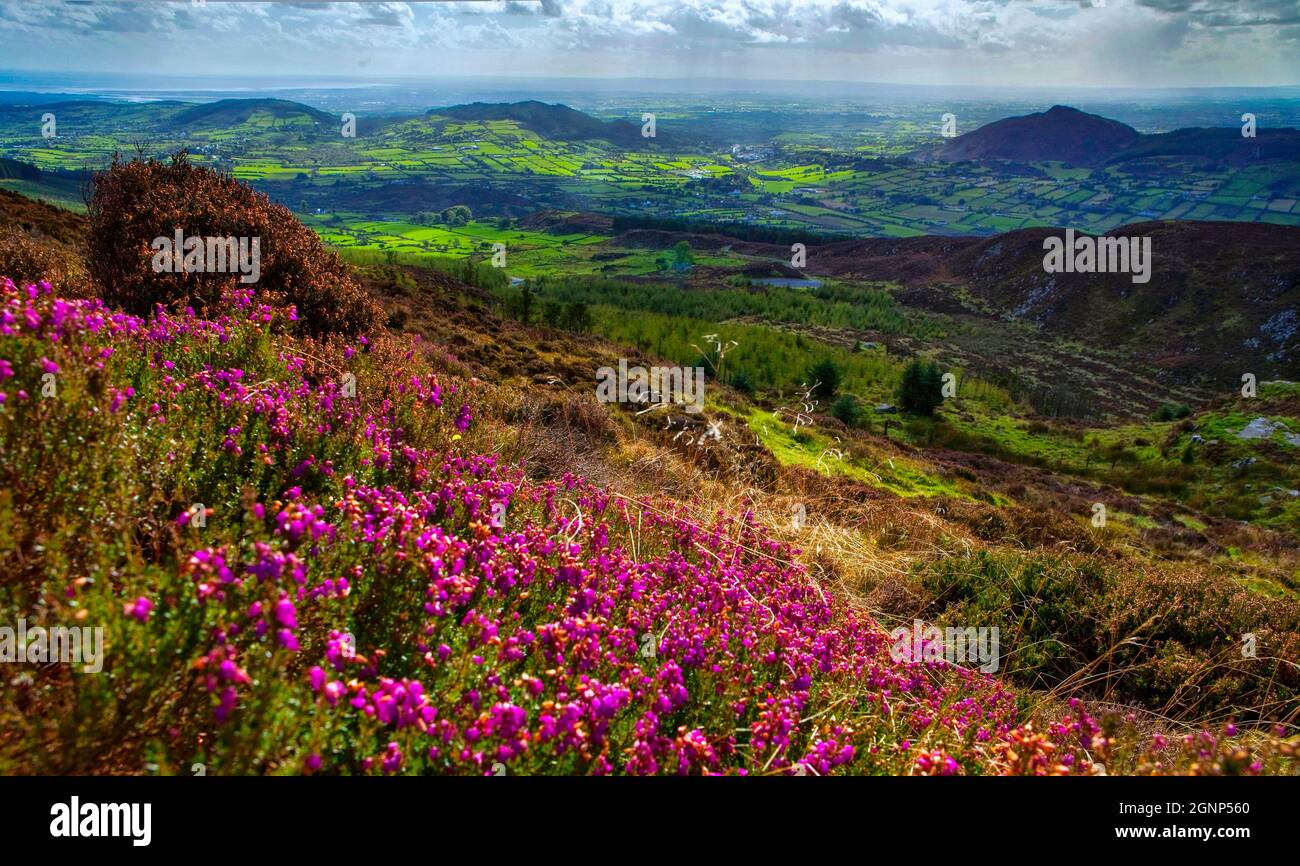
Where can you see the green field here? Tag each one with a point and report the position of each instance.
(811, 175)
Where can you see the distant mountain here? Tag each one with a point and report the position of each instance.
(550, 121)
(1067, 135)
(78, 114)
(1220, 144)
(1059, 134)
(1223, 298)
(232, 112)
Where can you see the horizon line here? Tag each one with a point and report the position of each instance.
(377, 80)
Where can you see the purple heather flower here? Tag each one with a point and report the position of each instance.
(285, 614)
(139, 609)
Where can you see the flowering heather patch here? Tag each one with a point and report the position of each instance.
(1078, 744)
(295, 575)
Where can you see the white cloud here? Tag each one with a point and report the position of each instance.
(1144, 42)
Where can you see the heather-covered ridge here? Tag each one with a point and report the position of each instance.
(326, 556)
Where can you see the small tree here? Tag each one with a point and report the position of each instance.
(577, 317)
(457, 215)
(525, 303)
(846, 409)
(682, 257)
(551, 313)
(824, 378)
(1117, 452)
(921, 390)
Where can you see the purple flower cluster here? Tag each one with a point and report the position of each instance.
(498, 620)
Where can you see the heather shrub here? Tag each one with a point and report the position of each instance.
(741, 382)
(1171, 412)
(1040, 605)
(26, 260)
(1155, 636)
(1076, 743)
(135, 202)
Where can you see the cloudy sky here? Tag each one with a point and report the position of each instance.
(992, 42)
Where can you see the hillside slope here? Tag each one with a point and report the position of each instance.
(454, 558)
(41, 220)
(1223, 299)
(235, 112)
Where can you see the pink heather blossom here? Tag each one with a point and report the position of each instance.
(522, 647)
(139, 609)
(285, 613)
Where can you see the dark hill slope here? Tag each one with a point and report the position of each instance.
(1216, 145)
(40, 220)
(1223, 299)
(1067, 135)
(1060, 134)
(80, 113)
(12, 169)
(41, 242)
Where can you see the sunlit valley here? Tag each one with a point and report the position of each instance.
(363, 506)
